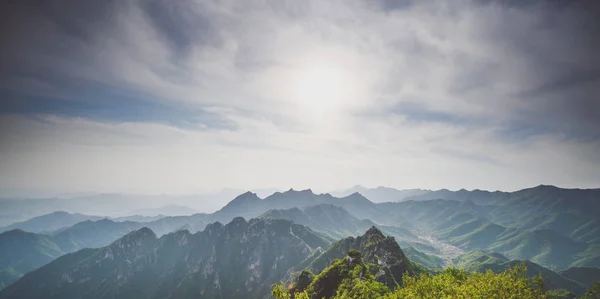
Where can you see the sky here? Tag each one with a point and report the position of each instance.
(178, 97)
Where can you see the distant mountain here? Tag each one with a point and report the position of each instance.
(111, 205)
(60, 220)
(554, 227)
(568, 224)
(249, 205)
(544, 246)
(168, 210)
(329, 219)
(238, 260)
(382, 194)
(86, 234)
(49, 222)
(508, 208)
(474, 260)
(427, 260)
(333, 221)
(586, 276)
(548, 225)
(21, 252)
(93, 234)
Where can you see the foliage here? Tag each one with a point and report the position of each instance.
(451, 283)
(593, 292)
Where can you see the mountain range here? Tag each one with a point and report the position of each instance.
(238, 260)
(554, 230)
(381, 194)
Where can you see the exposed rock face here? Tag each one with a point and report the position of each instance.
(377, 249)
(238, 260)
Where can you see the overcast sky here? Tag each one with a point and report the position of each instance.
(190, 96)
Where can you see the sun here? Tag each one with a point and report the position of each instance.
(320, 90)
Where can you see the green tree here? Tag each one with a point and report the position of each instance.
(593, 292)
(355, 281)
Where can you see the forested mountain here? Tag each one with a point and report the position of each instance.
(381, 193)
(433, 231)
(49, 222)
(238, 260)
(86, 234)
(334, 221)
(21, 252)
(249, 205)
(480, 261)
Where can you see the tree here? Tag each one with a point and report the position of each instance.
(357, 282)
(593, 292)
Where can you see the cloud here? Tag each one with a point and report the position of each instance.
(432, 89)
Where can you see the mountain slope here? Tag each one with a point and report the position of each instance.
(480, 261)
(334, 221)
(543, 246)
(49, 222)
(427, 260)
(93, 234)
(238, 260)
(586, 276)
(21, 252)
(329, 219)
(249, 205)
(381, 194)
(519, 207)
(377, 249)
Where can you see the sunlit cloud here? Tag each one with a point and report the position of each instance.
(185, 96)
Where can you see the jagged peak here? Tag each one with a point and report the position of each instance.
(356, 196)
(248, 195)
(237, 220)
(16, 231)
(143, 232)
(136, 237)
(542, 186)
(291, 190)
(213, 227)
(373, 231)
(58, 213)
(242, 198)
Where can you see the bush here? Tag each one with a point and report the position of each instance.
(358, 283)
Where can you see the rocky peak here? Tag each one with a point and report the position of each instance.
(138, 237)
(244, 198)
(132, 242)
(356, 198)
(373, 234)
(214, 228)
(237, 226)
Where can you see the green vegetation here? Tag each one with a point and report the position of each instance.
(427, 260)
(593, 292)
(21, 252)
(348, 277)
(352, 278)
(238, 260)
(574, 280)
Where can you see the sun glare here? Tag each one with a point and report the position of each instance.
(320, 90)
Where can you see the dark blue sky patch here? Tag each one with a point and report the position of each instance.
(101, 103)
(417, 112)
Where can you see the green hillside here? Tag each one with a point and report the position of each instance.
(352, 277)
(21, 252)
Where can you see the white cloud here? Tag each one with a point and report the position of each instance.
(464, 64)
